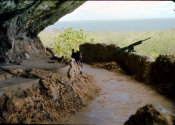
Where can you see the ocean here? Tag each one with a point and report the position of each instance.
(116, 25)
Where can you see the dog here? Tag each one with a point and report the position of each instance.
(78, 57)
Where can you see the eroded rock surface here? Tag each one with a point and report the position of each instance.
(4, 75)
(74, 70)
(22, 20)
(52, 97)
(151, 115)
(162, 75)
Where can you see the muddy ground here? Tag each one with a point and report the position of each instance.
(120, 97)
(41, 91)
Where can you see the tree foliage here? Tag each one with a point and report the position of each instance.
(70, 39)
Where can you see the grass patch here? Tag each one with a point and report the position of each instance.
(161, 42)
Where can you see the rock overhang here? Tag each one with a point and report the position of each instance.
(22, 20)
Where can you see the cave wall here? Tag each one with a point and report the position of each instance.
(22, 20)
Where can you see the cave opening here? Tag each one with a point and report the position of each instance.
(38, 85)
(118, 22)
(102, 21)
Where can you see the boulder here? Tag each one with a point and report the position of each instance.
(163, 69)
(74, 70)
(4, 75)
(151, 114)
(162, 75)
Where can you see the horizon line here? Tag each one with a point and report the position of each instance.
(119, 19)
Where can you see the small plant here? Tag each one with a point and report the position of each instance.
(70, 39)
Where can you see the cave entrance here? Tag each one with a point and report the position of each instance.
(131, 22)
(39, 90)
(120, 23)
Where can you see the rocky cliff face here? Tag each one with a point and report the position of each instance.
(22, 20)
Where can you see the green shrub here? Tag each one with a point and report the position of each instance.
(70, 39)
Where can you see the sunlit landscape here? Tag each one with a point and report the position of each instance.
(161, 42)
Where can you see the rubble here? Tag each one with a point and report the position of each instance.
(52, 98)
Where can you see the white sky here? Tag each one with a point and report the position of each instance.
(104, 10)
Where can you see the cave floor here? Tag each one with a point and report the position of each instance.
(120, 97)
(37, 63)
(20, 83)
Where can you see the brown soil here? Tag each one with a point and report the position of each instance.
(45, 94)
(37, 92)
(111, 66)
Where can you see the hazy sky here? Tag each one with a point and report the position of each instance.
(100, 10)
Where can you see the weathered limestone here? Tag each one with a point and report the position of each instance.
(151, 115)
(22, 20)
(36, 95)
(74, 70)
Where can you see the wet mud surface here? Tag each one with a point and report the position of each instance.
(120, 97)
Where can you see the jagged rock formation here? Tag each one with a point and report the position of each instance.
(151, 115)
(74, 70)
(42, 96)
(22, 20)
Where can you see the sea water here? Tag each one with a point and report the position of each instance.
(116, 25)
